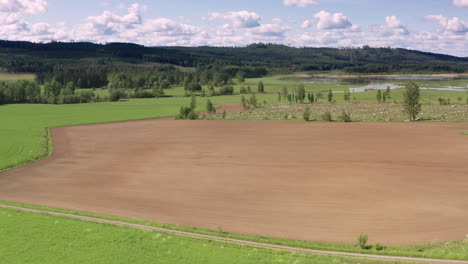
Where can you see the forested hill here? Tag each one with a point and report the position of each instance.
(21, 56)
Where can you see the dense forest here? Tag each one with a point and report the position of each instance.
(256, 59)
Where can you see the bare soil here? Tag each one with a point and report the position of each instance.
(401, 183)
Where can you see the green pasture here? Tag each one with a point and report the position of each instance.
(440, 250)
(52, 239)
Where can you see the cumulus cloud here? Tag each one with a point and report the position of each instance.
(453, 25)
(271, 30)
(240, 19)
(11, 11)
(109, 23)
(23, 6)
(300, 3)
(460, 3)
(332, 21)
(393, 27)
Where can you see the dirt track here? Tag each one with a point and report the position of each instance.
(400, 183)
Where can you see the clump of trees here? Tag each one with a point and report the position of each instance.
(411, 96)
(29, 92)
(188, 112)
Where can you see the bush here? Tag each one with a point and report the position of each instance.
(209, 107)
(300, 93)
(116, 95)
(362, 241)
(253, 101)
(188, 112)
(261, 87)
(244, 103)
(306, 114)
(226, 90)
(379, 247)
(330, 96)
(346, 117)
(327, 117)
(86, 96)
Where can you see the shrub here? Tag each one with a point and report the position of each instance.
(243, 90)
(188, 112)
(86, 96)
(244, 103)
(116, 95)
(362, 241)
(253, 101)
(347, 96)
(379, 96)
(224, 114)
(226, 90)
(327, 117)
(330, 96)
(379, 247)
(261, 87)
(306, 114)
(346, 117)
(209, 107)
(301, 94)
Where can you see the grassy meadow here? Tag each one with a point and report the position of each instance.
(439, 250)
(52, 239)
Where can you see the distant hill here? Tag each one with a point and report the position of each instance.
(22, 56)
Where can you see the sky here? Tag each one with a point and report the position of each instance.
(439, 26)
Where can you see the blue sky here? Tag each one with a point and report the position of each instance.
(430, 25)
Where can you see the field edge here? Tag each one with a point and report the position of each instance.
(345, 248)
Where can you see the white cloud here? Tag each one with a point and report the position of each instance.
(393, 22)
(11, 11)
(300, 3)
(23, 6)
(460, 3)
(453, 25)
(332, 21)
(269, 30)
(240, 19)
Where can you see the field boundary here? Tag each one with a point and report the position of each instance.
(248, 240)
(46, 147)
(233, 240)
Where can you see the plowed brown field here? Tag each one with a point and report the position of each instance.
(400, 183)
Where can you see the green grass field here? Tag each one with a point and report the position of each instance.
(441, 250)
(51, 239)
